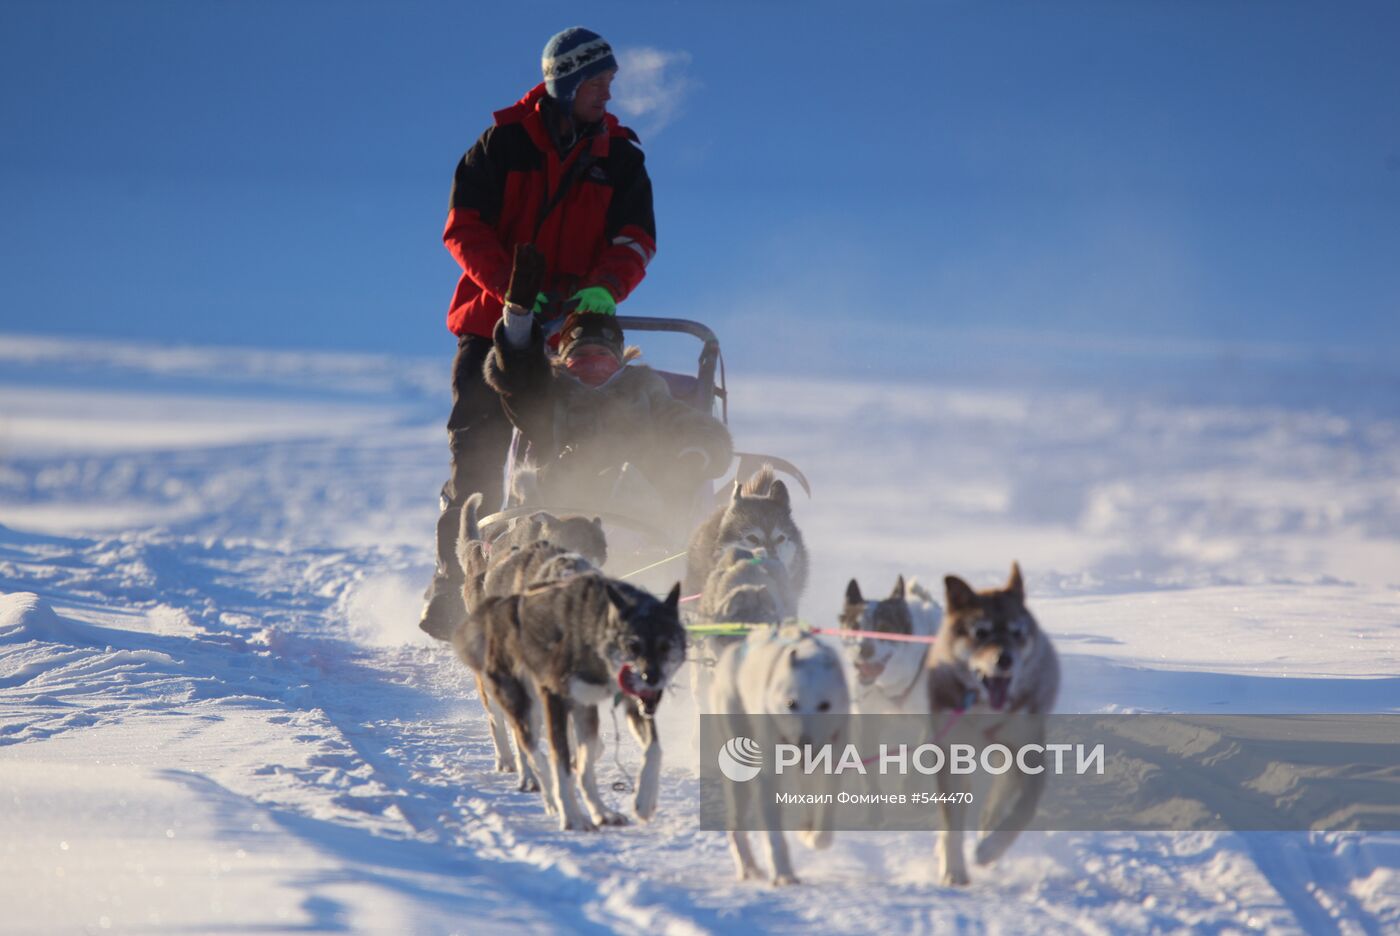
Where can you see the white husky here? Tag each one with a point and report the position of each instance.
(789, 674)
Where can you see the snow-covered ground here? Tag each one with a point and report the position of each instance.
(217, 713)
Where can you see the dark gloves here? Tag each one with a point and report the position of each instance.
(526, 276)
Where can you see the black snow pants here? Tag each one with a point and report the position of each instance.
(479, 438)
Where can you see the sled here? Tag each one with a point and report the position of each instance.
(706, 390)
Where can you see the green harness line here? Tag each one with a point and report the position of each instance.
(648, 568)
(722, 628)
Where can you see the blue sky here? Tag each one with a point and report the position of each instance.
(851, 182)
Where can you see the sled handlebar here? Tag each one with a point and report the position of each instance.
(709, 353)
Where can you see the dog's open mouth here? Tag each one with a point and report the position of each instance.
(997, 688)
(632, 684)
(869, 672)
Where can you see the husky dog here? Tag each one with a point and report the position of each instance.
(516, 569)
(743, 588)
(562, 566)
(892, 676)
(749, 587)
(512, 572)
(991, 658)
(758, 515)
(563, 648)
(575, 533)
(788, 674)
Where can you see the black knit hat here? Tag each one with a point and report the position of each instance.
(590, 328)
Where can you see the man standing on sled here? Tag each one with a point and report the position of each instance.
(558, 171)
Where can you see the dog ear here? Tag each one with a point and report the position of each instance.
(738, 490)
(960, 594)
(853, 595)
(673, 600)
(778, 493)
(618, 599)
(898, 587)
(598, 522)
(1014, 585)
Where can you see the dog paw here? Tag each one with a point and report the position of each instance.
(577, 824)
(956, 877)
(610, 818)
(528, 785)
(785, 880)
(991, 847)
(645, 806)
(504, 766)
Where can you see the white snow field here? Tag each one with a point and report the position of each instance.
(217, 713)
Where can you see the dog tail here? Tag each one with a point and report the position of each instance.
(915, 589)
(924, 609)
(468, 533)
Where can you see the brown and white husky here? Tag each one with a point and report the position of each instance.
(991, 660)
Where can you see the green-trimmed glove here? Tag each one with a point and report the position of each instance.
(594, 299)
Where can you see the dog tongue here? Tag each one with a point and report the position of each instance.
(997, 687)
(633, 685)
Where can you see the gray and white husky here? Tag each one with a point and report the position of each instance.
(747, 586)
(757, 516)
(787, 674)
(579, 534)
(744, 587)
(991, 659)
(892, 676)
(559, 650)
(489, 570)
(513, 571)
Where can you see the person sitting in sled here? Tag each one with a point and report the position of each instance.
(605, 432)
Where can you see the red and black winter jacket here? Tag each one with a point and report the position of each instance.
(601, 233)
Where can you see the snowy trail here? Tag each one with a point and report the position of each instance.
(239, 666)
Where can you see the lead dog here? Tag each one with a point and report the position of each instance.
(787, 674)
(991, 659)
(892, 675)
